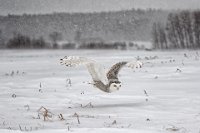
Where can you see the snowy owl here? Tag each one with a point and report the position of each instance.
(107, 82)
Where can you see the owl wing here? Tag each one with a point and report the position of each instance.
(96, 71)
(114, 70)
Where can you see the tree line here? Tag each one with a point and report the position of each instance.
(134, 24)
(182, 30)
(20, 41)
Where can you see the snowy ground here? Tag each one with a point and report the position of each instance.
(30, 80)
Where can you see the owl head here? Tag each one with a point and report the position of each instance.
(114, 86)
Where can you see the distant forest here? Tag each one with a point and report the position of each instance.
(181, 30)
(104, 30)
(127, 25)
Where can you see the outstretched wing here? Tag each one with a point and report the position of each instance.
(73, 61)
(96, 70)
(114, 70)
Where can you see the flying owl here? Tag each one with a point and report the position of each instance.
(107, 82)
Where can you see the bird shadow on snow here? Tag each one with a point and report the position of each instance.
(138, 104)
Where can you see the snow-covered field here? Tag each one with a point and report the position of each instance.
(32, 81)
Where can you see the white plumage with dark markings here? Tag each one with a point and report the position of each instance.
(107, 82)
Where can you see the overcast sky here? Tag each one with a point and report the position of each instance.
(49, 6)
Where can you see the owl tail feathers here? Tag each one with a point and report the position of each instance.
(134, 64)
(73, 61)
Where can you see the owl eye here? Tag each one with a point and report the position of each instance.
(120, 85)
(115, 86)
